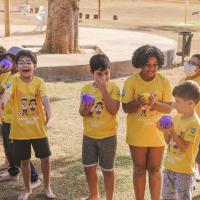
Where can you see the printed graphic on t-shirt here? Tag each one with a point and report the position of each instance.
(28, 107)
(99, 108)
(24, 105)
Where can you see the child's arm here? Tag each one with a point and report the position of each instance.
(1, 90)
(4, 99)
(165, 131)
(111, 105)
(160, 106)
(134, 106)
(85, 108)
(47, 107)
(182, 145)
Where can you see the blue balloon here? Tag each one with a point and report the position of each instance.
(6, 63)
(166, 121)
(88, 98)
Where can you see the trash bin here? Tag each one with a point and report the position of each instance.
(184, 44)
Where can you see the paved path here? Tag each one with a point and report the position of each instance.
(117, 44)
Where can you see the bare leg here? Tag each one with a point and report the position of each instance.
(46, 168)
(5, 165)
(197, 172)
(92, 180)
(109, 182)
(155, 156)
(198, 167)
(26, 173)
(139, 157)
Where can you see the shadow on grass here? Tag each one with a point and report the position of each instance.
(69, 183)
(53, 99)
(123, 161)
(196, 197)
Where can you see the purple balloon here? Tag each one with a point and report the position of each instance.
(5, 63)
(166, 121)
(88, 98)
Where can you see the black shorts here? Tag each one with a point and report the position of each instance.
(22, 148)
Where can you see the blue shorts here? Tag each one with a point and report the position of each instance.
(99, 151)
(177, 185)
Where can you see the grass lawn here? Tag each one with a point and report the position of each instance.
(65, 135)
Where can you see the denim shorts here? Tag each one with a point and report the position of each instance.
(177, 185)
(99, 151)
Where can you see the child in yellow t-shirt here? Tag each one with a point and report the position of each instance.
(100, 126)
(183, 140)
(192, 72)
(4, 74)
(14, 164)
(146, 96)
(28, 121)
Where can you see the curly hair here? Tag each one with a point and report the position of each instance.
(142, 54)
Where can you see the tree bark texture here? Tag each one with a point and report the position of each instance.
(62, 27)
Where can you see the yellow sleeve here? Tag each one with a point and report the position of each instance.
(191, 133)
(4, 79)
(167, 91)
(128, 91)
(115, 94)
(9, 85)
(42, 88)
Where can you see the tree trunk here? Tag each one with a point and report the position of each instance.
(62, 27)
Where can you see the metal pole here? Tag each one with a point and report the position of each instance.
(186, 7)
(6, 18)
(183, 49)
(99, 9)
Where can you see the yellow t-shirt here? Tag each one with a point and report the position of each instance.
(197, 79)
(188, 130)
(3, 79)
(7, 111)
(141, 126)
(28, 118)
(100, 123)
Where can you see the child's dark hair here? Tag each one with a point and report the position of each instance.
(196, 56)
(99, 61)
(26, 53)
(142, 54)
(188, 90)
(3, 53)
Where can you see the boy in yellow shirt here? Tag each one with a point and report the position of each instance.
(183, 140)
(4, 74)
(28, 127)
(100, 127)
(14, 165)
(192, 72)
